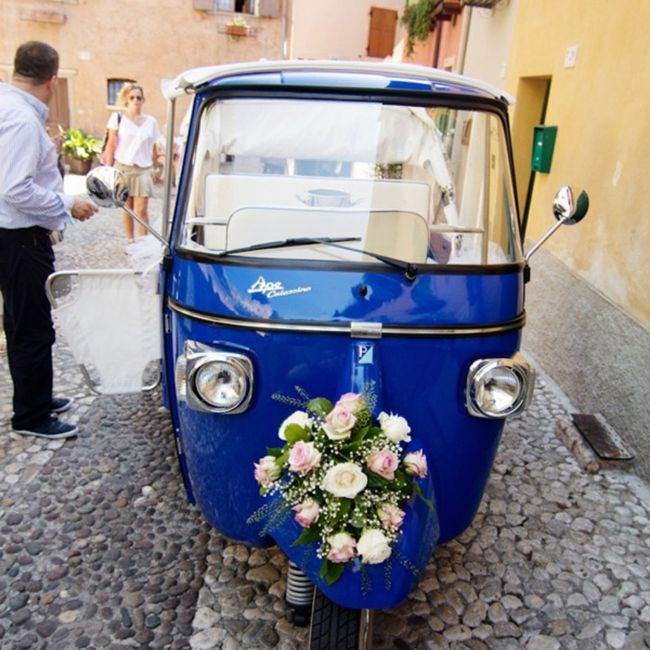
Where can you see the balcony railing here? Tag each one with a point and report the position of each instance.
(484, 4)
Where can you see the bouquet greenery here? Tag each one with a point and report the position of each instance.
(346, 478)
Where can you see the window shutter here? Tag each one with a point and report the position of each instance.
(381, 38)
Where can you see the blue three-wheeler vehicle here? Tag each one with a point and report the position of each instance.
(339, 309)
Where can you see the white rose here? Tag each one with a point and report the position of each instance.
(395, 427)
(373, 546)
(344, 480)
(300, 418)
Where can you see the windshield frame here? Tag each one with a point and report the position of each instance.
(397, 97)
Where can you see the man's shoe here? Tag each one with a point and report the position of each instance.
(60, 404)
(51, 428)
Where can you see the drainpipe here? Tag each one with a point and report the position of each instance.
(286, 12)
(436, 47)
(464, 39)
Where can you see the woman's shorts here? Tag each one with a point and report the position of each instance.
(138, 179)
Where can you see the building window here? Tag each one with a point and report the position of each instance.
(113, 87)
(238, 6)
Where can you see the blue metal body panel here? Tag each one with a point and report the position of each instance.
(422, 379)
(332, 295)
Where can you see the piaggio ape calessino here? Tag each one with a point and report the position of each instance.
(338, 312)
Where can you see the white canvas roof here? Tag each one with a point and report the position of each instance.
(190, 79)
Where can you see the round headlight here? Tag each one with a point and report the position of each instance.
(221, 384)
(497, 390)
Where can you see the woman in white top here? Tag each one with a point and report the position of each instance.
(132, 142)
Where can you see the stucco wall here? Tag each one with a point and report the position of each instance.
(334, 28)
(589, 298)
(489, 42)
(149, 40)
(601, 107)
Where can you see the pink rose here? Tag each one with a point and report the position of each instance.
(390, 516)
(342, 548)
(307, 512)
(303, 457)
(415, 464)
(266, 471)
(383, 462)
(352, 401)
(339, 422)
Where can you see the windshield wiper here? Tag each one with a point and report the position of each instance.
(286, 243)
(409, 270)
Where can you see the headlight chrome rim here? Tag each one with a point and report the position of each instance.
(484, 370)
(198, 359)
(203, 374)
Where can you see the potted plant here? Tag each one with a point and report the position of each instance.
(80, 149)
(237, 27)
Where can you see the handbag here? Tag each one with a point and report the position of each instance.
(119, 119)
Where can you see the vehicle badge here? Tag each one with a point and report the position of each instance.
(274, 289)
(365, 354)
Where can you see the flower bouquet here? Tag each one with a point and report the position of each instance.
(345, 477)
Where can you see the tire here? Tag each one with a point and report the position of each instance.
(338, 628)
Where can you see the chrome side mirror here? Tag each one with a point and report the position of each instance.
(108, 189)
(569, 207)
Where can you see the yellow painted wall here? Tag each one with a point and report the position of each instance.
(146, 40)
(602, 109)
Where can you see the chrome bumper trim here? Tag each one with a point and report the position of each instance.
(345, 328)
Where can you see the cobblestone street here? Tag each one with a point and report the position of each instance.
(100, 549)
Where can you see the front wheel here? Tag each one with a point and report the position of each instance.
(338, 628)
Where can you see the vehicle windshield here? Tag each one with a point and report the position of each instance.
(423, 185)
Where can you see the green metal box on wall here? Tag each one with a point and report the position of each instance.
(543, 145)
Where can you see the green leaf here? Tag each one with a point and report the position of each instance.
(276, 452)
(346, 504)
(308, 536)
(418, 490)
(374, 480)
(348, 449)
(358, 520)
(294, 432)
(360, 434)
(282, 459)
(402, 479)
(334, 571)
(320, 406)
(323, 569)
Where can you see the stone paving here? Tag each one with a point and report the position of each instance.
(99, 547)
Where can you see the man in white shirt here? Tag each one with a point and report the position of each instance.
(32, 205)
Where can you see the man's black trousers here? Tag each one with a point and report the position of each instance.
(26, 260)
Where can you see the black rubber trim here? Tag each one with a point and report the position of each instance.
(363, 267)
